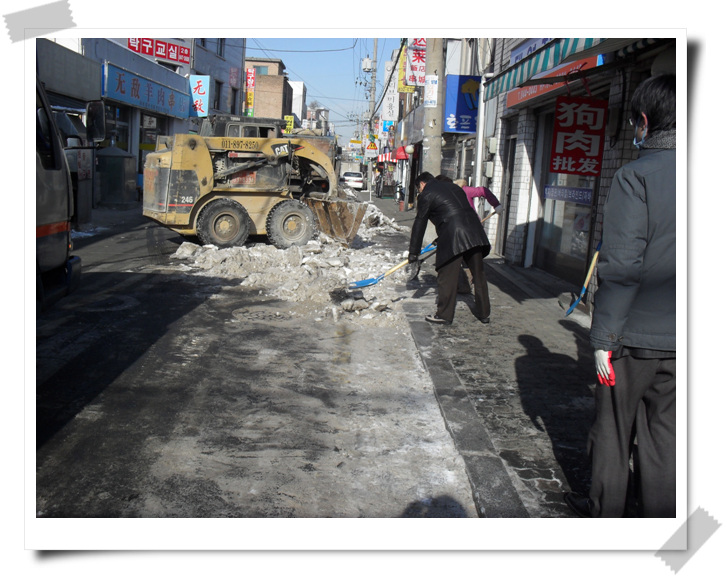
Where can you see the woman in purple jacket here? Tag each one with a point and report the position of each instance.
(473, 192)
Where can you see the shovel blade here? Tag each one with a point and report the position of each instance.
(364, 283)
(338, 218)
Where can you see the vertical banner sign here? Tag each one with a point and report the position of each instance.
(461, 103)
(431, 85)
(579, 133)
(249, 92)
(402, 86)
(390, 103)
(416, 62)
(199, 88)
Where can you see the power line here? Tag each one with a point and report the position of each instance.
(391, 75)
(291, 71)
(310, 51)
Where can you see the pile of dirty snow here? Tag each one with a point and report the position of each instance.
(314, 278)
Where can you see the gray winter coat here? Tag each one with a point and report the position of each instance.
(458, 226)
(635, 305)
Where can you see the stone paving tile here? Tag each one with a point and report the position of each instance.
(527, 378)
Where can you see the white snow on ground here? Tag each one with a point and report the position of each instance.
(315, 276)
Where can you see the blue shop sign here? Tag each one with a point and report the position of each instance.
(581, 195)
(132, 89)
(460, 104)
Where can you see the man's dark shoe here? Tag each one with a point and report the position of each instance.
(434, 319)
(579, 504)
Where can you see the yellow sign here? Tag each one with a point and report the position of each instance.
(289, 123)
(403, 88)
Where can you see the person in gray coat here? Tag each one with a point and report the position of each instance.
(633, 330)
(460, 237)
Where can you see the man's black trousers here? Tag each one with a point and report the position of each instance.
(640, 407)
(448, 276)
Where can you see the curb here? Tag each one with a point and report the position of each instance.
(493, 491)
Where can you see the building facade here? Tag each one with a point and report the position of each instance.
(554, 211)
(552, 198)
(146, 86)
(273, 94)
(222, 60)
(142, 98)
(299, 107)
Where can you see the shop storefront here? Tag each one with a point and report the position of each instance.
(138, 109)
(571, 159)
(563, 129)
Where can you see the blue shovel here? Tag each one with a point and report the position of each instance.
(372, 281)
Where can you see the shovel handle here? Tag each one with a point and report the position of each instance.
(587, 280)
(395, 268)
(405, 262)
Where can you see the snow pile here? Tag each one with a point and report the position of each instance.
(314, 278)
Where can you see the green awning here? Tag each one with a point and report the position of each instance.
(543, 59)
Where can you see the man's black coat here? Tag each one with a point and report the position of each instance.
(458, 225)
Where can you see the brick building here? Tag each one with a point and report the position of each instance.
(273, 93)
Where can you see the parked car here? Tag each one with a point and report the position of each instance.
(353, 179)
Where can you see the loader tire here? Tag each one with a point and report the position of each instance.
(223, 223)
(290, 223)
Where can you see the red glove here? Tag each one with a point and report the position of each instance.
(611, 381)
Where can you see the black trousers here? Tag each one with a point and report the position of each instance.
(448, 276)
(641, 408)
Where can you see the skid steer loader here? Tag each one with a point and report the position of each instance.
(224, 188)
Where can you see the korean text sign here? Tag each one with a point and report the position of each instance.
(579, 132)
(160, 49)
(249, 92)
(461, 104)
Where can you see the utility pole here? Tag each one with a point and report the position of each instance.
(372, 106)
(486, 63)
(432, 138)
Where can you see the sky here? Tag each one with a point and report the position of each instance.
(331, 69)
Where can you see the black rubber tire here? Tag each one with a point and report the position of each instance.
(223, 223)
(290, 223)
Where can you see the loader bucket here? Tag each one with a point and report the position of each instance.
(338, 218)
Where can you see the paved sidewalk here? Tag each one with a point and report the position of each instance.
(516, 394)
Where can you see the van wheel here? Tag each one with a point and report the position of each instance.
(290, 223)
(223, 223)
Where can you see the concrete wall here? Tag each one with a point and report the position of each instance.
(67, 72)
(226, 70)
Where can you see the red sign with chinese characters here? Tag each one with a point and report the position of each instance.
(416, 62)
(579, 133)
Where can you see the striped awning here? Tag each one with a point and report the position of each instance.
(543, 59)
(386, 157)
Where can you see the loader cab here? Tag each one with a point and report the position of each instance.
(235, 126)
